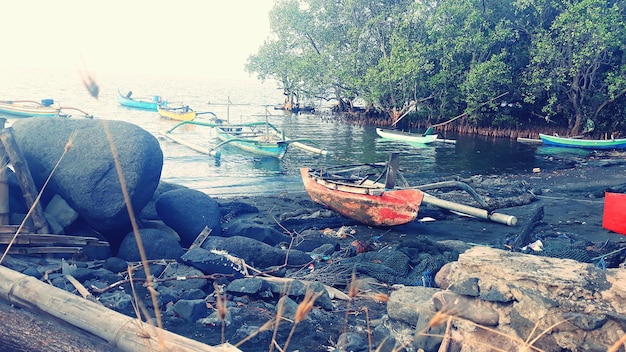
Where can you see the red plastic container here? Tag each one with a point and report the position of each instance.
(614, 218)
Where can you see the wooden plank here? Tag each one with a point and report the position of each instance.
(12, 229)
(42, 250)
(201, 237)
(4, 191)
(43, 239)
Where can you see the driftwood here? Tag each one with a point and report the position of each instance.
(121, 332)
(9, 148)
(25, 243)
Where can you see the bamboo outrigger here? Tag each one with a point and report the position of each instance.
(259, 138)
(368, 194)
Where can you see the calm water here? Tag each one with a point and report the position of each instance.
(243, 174)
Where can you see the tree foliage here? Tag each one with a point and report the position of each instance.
(561, 63)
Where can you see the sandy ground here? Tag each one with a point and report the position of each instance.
(571, 195)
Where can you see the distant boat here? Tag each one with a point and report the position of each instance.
(425, 138)
(30, 108)
(177, 112)
(583, 143)
(144, 103)
(260, 138)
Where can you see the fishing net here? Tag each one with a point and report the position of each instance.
(411, 262)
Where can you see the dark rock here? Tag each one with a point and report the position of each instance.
(287, 307)
(212, 262)
(191, 310)
(157, 245)
(353, 342)
(193, 278)
(87, 177)
(323, 252)
(298, 289)
(495, 294)
(168, 294)
(118, 300)
(188, 212)
(466, 287)
(193, 293)
(59, 214)
(587, 322)
(31, 271)
(149, 210)
(247, 286)
(115, 264)
(231, 210)
(255, 253)
(259, 232)
(82, 274)
(312, 238)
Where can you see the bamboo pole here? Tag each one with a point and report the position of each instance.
(4, 184)
(508, 220)
(120, 331)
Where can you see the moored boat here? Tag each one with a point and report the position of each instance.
(415, 138)
(407, 136)
(178, 112)
(260, 138)
(144, 103)
(613, 143)
(364, 199)
(30, 108)
(367, 193)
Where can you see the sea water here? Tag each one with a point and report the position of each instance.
(238, 173)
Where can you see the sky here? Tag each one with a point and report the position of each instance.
(212, 38)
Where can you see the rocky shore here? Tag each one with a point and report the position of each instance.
(242, 270)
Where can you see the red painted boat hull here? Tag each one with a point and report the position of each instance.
(389, 208)
(614, 218)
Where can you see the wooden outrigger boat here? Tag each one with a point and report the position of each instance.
(583, 143)
(179, 112)
(425, 138)
(359, 192)
(406, 136)
(143, 103)
(254, 137)
(366, 201)
(259, 138)
(30, 108)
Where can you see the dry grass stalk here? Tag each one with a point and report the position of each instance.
(304, 308)
(618, 344)
(222, 311)
(135, 227)
(369, 329)
(280, 310)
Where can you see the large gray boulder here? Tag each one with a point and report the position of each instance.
(188, 211)
(86, 177)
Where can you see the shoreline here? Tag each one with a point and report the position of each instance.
(572, 198)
